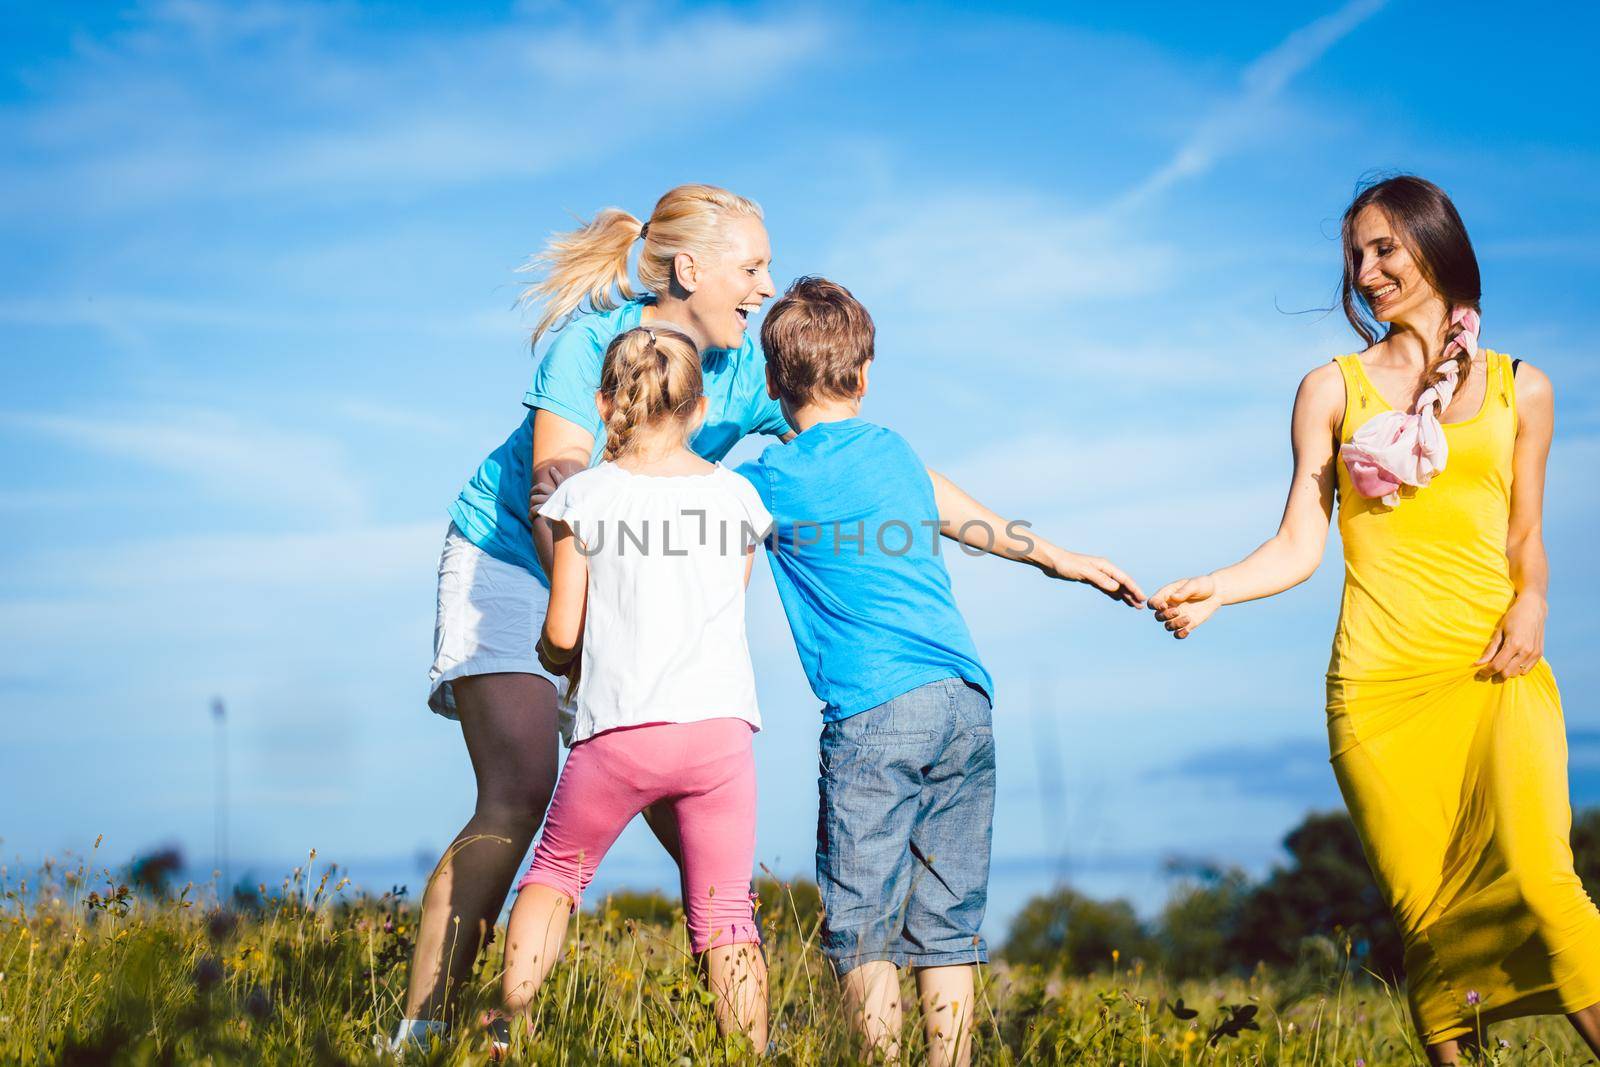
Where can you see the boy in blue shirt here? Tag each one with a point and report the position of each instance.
(907, 753)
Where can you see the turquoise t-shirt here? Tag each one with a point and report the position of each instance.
(492, 510)
(855, 556)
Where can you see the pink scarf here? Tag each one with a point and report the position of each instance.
(1394, 448)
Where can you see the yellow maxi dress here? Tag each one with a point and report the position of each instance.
(1458, 787)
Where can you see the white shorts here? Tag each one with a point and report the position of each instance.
(490, 615)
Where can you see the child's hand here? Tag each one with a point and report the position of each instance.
(1182, 606)
(1098, 572)
(561, 668)
(542, 488)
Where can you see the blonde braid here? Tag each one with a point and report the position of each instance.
(651, 375)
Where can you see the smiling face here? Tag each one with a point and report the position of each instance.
(729, 287)
(1387, 273)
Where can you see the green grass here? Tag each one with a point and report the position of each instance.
(316, 974)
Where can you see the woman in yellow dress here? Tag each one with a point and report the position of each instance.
(1444, 721)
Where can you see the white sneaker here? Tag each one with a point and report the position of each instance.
(417, 1032)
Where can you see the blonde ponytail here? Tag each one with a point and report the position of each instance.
(587, 268)
(651, 376)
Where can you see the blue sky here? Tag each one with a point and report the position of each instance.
(256, 319)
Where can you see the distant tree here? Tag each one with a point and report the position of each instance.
(1067, 931)
(650, 907)
(1216, 920)
(154, 872)
(1326, 890)
(1201, 919)
(791, 903)
(1586, 849)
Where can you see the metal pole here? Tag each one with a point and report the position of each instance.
(219, 715)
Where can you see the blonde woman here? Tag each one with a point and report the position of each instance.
(1444, 720)
(703, 259)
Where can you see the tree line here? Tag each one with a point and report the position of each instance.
(1218, 920)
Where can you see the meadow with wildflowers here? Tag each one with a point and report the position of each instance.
(93, 971)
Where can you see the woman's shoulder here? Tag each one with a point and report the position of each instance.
(591, 331)
(1532, 385)
(1328, 378)
(1323, 390)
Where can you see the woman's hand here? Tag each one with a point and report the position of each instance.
(1518, 641)
(1098, 572)
(1183, 606)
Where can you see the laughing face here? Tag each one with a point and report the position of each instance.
(731, 287)
(1387, 274)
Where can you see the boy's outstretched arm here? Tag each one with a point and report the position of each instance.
(963, 519)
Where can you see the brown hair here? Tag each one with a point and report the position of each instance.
(1431, 229)
(817, 337)
(587, 268)
(651, 375)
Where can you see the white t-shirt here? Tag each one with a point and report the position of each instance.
(664, 637)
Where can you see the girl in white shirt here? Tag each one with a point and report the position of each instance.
(653, 550)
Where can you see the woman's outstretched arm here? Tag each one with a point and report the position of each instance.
(1518, 641)
(1292, 554)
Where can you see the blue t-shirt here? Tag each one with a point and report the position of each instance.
(492, 510)
(855, 555)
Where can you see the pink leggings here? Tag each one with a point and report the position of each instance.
(707, 772)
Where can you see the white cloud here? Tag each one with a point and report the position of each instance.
(1242, 118)
(139, 323)
(396, 417)
(1014, 247)
(330, 564)
(205, 99)
(1054, 466)
(255, 616)
(996, 248)
(224, 455)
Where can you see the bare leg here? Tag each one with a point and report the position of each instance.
(737, 976)
(1587, 1022)
(509, 722)
(947, 1000)
(534, 936)
(1448, 1053)
(872, 993)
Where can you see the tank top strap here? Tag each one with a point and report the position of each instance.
(1358, 394)
(1496, 380)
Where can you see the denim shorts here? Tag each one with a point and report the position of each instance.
(904, 829)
